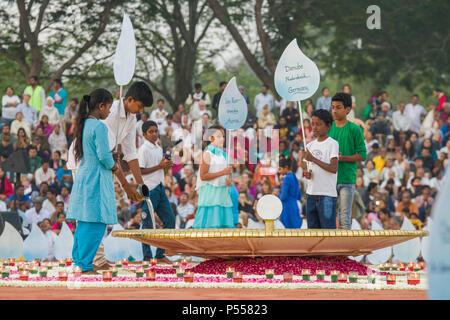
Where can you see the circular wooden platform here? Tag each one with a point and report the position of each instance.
(212, 243)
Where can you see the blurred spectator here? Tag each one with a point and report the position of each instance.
(50, 111)
(44, 173)
(60, 219)
(19, 123)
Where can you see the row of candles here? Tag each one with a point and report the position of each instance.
(12, 262)
(402, 267)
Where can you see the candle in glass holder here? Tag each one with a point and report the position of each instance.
(23, 275)
(413, 278)
(145, 264)
(189, 276)
(68, 262)
(320, 275)
(61, 263)
(306, 274)
(410, 266)
(153, 262)
(77, 272)
(118, 264)
(176, 265)
(237, 277)
(353, 277)
(422, 265)
(42, 272)
(139, 272)
(401, 267)
(150, 275)
(5, 263)
(342, 277)
(390, 278)
(62, 276)
(371, 278)
(48, 265)
(287, 277)
(114, 271)
(34, 269)
(180, 272)
(230, 272)
(107, 276)
(184, 262)
(394, 267)
(269, 273)
(334, 276)
(11, 262)
(416, 267)
(5, 272)
(125, 262)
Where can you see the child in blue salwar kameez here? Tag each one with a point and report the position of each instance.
(92, 200)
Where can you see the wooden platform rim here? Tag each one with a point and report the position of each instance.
(259, 233)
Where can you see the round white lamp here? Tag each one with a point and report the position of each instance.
(269, 208)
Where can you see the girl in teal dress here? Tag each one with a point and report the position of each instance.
(92, 200)
(215, 208)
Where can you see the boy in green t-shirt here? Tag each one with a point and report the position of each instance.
(352, 150)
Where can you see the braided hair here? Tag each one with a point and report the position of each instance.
(88, 104)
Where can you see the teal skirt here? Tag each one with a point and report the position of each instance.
(214, 208)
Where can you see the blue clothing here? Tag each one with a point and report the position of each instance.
(234, 195)
(24, 198)
(62, 105)
(61, 173)
(290, 193)
(321, 212)
(323, 103)
(162, 207)
(86, 241)
(92, 198)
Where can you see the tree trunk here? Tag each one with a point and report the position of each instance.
(262, 72)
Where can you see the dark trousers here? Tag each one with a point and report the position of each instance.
(162, 207)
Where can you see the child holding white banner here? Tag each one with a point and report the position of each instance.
(214, 204)
(323, 153)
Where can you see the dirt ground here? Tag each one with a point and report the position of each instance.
(7, 293)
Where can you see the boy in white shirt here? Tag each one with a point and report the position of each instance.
(152, 165)
(322, 156)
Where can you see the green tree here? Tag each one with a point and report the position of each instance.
(56, 34)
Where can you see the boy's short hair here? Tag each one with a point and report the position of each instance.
(161, 100)
(59, 202)
(323, 115)
(222, 83)
(285, 162)
(148, 124)
(74, 100)
(52, 190)
(345, 98)
(198, 86)
(169, 117)
(140, 91)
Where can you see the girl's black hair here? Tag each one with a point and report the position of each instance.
(323, 115)
(209, 133)
(88, 104)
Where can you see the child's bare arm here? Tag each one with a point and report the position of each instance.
(330, 167)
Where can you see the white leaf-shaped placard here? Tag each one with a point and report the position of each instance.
(125, 56)
(381, 255)
(11, 243)
(35, 245)
(232, 107)
(116, 248)
(425, 243)
(64, 243)
(439, 248)
(407, 251)
(296, 76)
(356, 226)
